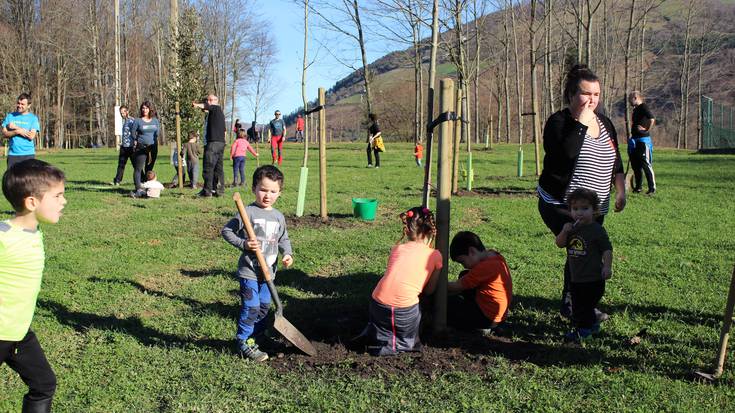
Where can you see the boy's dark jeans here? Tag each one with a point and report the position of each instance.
(585, 297)
(122, 160)
(463, 313)
(555, 218)
(26, 358)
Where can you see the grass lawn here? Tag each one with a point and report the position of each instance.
(138, 304)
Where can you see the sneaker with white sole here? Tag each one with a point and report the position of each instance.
(249, 349)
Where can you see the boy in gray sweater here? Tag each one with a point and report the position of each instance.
(269, 225)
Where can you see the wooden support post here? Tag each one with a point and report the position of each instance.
(457, 140)
(726, 325)
(443, 196)
(323, 156)
(178, 146)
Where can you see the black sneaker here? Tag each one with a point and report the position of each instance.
(651, 192)
(204, 194)
(248, 349)
(637, 190)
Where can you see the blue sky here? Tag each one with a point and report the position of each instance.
(289, 39)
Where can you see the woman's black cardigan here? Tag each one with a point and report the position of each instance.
(563, 138)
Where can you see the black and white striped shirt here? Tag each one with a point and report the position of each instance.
(592, 171)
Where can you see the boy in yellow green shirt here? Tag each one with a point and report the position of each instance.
(35, 189)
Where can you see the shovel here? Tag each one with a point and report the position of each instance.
(282, 325)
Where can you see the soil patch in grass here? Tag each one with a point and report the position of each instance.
(499, 192)
(342, 221)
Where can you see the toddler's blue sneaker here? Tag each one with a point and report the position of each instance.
(249, 349)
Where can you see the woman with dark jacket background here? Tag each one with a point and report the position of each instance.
(581, 151)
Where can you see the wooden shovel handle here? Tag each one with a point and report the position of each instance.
(251, 234)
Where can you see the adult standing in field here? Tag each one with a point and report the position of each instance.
(640, 145)
(372, 148)
(299, 128)
(252, 133)
(278, 133)
(581, 151)
(21, 127)
(126, 145)
(214, 147)
(145, 142)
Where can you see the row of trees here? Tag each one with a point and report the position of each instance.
(510, 58)
(64, 54)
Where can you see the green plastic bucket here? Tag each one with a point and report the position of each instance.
(364, 208)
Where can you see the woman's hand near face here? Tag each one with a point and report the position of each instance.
(587, 116)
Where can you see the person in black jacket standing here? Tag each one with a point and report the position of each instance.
(213, 172)
(640, 145)
(581, 151)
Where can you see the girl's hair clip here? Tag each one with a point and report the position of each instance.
(426, 211)
(409, 214)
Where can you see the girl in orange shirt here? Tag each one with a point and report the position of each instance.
(413, 269)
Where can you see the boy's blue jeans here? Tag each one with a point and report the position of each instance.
(255, 302)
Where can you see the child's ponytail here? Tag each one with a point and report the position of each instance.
(418, 222)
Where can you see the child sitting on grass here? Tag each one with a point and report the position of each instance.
(151, 188)
(589, 256)
(35, 190)
(486, 287)
(413, 269)
(269, 225)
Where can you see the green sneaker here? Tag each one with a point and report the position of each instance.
(250, 350)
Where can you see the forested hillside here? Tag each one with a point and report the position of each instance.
(677, 51)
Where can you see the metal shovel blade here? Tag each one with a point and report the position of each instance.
(293, 335)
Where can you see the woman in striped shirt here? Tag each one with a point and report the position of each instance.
(581, 151)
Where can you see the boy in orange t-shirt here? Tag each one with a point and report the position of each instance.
(418, 152)
(486, 286)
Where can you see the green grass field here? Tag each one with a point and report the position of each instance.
(138, 304)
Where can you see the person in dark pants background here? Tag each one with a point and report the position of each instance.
(213, 173)
(126, 145)
(640, 145)
(145, 133)
(374, 132)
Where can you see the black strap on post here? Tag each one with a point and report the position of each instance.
(443, 117)
(314, 109)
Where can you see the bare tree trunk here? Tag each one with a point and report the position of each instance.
(304, 67)
(365, 66)
(627, 64)
(681, 132)
(642, 48)
(506, 73)
(519, 70)
(476, 77)
(534, 92)
(430, 99)
(548, 67)
(99, 92)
